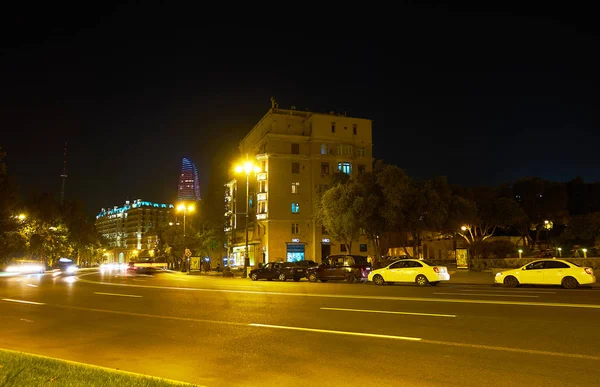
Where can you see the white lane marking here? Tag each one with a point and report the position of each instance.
(337, 332)
(118, 294)
(139, 280)
(390, 312)
(23, 302)
(435, 342)
(352, 297)
(507, 291)
(509, 349)
(26, 320)
(489, 295)
(32, 285)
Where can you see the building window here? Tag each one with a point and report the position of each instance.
(262, 208)
(361, 152)
(262, 186)
(363, 248)
(295, 228)
(343, 150)
(362, 231)
(324, 149)
(295, 187)
(354, 129)
(295, 208)
(343, 248)
(362, 168)
(345, 168)
(295, 149)
(324, 230)
(295, 167)
(333, 127)
(324, 169)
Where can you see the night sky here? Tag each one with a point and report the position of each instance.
(479, 97)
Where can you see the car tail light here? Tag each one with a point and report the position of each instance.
(589, 270)
(436, 269)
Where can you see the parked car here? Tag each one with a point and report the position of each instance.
(418, 271)
(547, 272)
(306, 265)
(351, 268)
(278, 270)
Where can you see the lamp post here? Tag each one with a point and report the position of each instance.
(248, 167)
(185, 208)
(584, 253)
(560, 251)
(520, 253)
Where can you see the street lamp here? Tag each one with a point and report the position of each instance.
(248, 167)
(584, 253)
(185, 209)
(560, 251)
(520, 253)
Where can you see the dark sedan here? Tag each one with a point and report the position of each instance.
(351, 268)
(278, 270)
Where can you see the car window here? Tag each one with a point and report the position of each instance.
(556, 265)
(536, 265)
(349, 261)
(413, 264)
(428, 263)
(398, 265)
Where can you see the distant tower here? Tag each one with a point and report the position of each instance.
(64, 177)
(189, 185)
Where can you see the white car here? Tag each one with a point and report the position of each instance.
(410, 270)
(547, 272)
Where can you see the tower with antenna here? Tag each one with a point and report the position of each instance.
(64, 177)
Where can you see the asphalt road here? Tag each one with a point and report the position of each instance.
(216, 331)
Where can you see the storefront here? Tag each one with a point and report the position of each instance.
(295, 251)
(238, 255)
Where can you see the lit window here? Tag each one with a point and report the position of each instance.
(295, 208)
(345, 168)
(295, 228)
(295, 187)
(324, 149)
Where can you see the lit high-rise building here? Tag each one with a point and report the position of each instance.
(189, 185)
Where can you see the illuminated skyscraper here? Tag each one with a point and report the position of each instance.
(189, 186)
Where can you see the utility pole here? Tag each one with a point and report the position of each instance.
(64, 177)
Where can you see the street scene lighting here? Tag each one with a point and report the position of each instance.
(247, 167)
(185, 208)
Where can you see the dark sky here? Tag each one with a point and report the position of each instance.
(477, 96)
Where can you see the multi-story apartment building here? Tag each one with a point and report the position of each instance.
(297, 151)
(128, 228)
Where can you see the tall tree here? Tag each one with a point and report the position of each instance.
(541, 201)
(339, 210)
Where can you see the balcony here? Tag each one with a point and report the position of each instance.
(261, 196)
(261, 176)
(261, 216)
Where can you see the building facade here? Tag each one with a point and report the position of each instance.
(297, 152)
(189, 184)
(129, 228)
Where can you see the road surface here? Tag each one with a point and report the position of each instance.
(215, 331)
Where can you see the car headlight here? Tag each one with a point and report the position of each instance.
(497, 274)
(71, 269)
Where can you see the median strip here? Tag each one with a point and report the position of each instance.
(390, 312)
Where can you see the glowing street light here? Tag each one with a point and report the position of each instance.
(247, 167)
(22, 216)
(520, 253)
(584, 253)
(464, 228)
(185, 208)
(560, 251)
